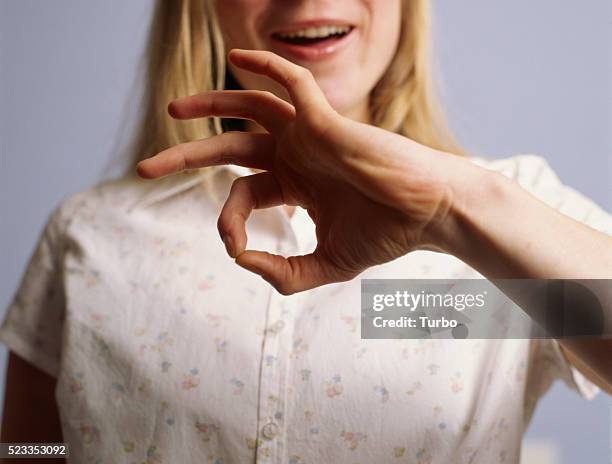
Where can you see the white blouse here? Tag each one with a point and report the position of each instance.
(166, 351)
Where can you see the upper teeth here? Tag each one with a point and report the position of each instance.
(315, 32)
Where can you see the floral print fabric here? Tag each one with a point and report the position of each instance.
(166, 351)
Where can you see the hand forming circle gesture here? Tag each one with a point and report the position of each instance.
(374, 195)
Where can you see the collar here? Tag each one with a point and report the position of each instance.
(298, 228)
(157, 190)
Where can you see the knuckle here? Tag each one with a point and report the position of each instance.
(296, 76)
(210, 105)
(320, 123)
(291, 274)
(290, 81)
(182, 150)
(267, 62)
(241, 188)
(240, 184)
(284, 288)
(226, 147)
(222, 225)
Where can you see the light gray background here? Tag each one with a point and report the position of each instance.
(518, 77)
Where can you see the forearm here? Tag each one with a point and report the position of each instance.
(30, 412)
(503, 231)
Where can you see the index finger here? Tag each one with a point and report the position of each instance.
(299, 81)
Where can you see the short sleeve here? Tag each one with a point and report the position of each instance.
(550, 364)
(535, 175)
(32, 325)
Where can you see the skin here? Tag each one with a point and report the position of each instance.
(248, 23)
(309, 144)
(30, 413)
(415, 198)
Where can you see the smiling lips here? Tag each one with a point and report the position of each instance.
(313, 40)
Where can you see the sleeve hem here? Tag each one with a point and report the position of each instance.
(574, 378)
(23, 349)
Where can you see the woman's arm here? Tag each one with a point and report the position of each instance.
(375, 196)
(30, 410)
(603, 348)
(503, 231)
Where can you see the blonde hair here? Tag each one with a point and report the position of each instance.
(185, 55)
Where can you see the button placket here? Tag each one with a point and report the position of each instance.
(284, 247)
(303, 230)
(273, 384)
(270, 430)
(278, 336)
(299, 232)
(288, 243)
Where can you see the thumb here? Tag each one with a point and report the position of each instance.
(293, 274)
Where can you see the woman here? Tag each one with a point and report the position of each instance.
(160, 349)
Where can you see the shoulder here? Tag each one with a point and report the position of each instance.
(535, 174)
(79, 214)
(120, 196)
(115, 194)
(123, 210)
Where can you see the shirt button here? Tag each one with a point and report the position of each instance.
(279, 325)
(270, 430)
(276, 327)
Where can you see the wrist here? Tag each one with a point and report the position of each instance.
(504, 231)
(476, 193)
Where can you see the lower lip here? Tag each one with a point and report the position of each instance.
(315, 52)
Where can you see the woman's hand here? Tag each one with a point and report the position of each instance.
(373, 195)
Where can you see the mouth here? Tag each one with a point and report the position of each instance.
(314, 40)
(313, 35)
